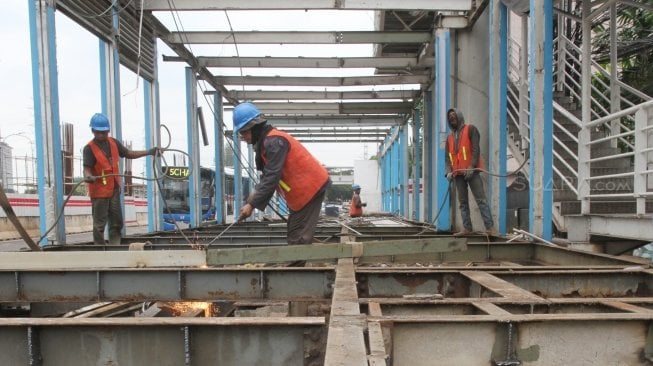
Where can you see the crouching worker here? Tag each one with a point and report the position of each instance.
(288, 168)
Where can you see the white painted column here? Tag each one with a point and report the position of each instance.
(46, 118)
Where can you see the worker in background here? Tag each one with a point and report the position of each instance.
(356, 205)
(288, 168)
(463, 164)
(101, 172)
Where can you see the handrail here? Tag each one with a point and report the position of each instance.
(621, 113)
(564, 179)
(600, 69)
(565, 113)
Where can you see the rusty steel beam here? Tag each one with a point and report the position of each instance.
(157, 341)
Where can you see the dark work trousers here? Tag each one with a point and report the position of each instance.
(107, 209)
(301, 224)
(475, 184)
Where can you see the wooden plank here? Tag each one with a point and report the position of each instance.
(146, 321)
(501, 287)
(333, 251)
(345, 340)
(374, 309)
(490, 308)
(448, 318)
(26, 261)
(376, 342)
(623, 306)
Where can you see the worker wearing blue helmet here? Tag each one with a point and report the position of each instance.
(287, 168)
(102, 174)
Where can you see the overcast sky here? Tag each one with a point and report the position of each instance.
(79, 77)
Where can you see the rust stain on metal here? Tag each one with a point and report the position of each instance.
(223, 295)
(412, 282)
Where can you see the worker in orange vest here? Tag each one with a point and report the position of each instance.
(356, 205)
(101, 172)
(287, 168)
(463, 164)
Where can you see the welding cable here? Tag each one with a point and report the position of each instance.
(448, 193)
(11, 215)
(156, 178)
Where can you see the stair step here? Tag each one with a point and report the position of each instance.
(604, 207)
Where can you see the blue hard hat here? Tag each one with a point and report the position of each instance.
(100, 122)
(355, 187)
(243, 114)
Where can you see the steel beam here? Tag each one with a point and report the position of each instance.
(297, 37)
(322, 95)
(554, 339)
(138, 284)
(434, 5)
(332, 251)
(379, 107)
(383, 62)
(315, 81)
(337, 121)
(151, 341)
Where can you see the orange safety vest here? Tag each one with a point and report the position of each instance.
(302, 175)
(103, 187)
(461, 159)
(354, 210)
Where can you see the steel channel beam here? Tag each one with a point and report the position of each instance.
(512, 284)
(155, 341)
(298, 37)
(164, 284)
(438, 5)
(384, 62)
(332, 251)
(567, 339)
(321, 81)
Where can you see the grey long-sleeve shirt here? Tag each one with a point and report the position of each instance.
(276, 149)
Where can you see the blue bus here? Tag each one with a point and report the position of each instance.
(176, 207)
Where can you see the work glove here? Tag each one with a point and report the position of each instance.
(155, 151)
(89, 179)
(468, 174)
(449, 176)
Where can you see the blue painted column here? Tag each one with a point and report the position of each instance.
(498, 78)
(417, 159)
(541, 118)
(192, 137)
(45, 89)
(443, 199)
(218, 137)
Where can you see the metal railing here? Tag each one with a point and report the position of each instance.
(626, 131)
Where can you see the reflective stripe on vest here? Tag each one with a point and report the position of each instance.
(103, 187)
(302, 175)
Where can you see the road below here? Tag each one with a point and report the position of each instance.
(17, 245)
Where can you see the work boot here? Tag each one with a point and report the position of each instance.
(491, 232)
(464, 232)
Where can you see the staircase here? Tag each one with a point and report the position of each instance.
(614, 151)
